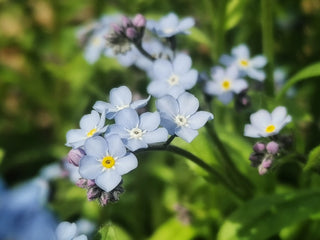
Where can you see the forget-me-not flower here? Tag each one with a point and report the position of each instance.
(180, 116)
(170, 25)
(264, 124)
(120, 98)
(172, 78)
(90, 125)
(106, 161)
(138, 132)
(68, 231)
(248, 66)
(224, 83)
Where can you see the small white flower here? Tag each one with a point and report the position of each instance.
(264, 124)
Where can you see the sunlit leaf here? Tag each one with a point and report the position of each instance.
(113, 232)
(314, 160)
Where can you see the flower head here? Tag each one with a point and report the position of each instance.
(137, 132)
(120, 98)
(90, 125)
(180, 116)
(172, 78)
(106, 161)
(225, 83)
(170, 25)
(264, 124)
(68, 231)
(248, 66)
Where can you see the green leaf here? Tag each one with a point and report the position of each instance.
(174, 229)
(198, 36)
(264, 217)
(113, 232)
(313, 160)
(306, 73)
(234, 13)
(1, 155)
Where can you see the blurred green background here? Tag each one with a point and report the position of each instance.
(46, 86)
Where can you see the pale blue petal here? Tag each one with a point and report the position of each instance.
(226, 60)
(157, 136)
(134, 144)
(126, 164)
(111, 114)
(279, 117)
(181, 64)
(199, 119)
(75, 135)
(96, 146)
(189, 79)
(212, 88)
(81, 237)
(250, 131)
(149, 121)
(168, 105)
(120, 96)
(127, 59)
(140, 103)
(162, 69)
(101, 106)
(115, 146)
(108, 180)
(66, 231)
(117, 129)
(185, 24)
(241, 51)
(158, 88)
(186, 134)
(89, 167)
(260, 119)
(168, 123)
(258, 61)
(188, 104)
(225, 97)
(92, 53)
(232, 72)
(258, 75)
(168, 22)
(127, 118)
(176, 91)
(90, 121)
(239, 85)
(217, 73)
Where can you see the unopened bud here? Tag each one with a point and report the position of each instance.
(125, 21)
(91, 183)
(93, 193)
(131, 33)
(139, 21)
(116, 28)
(104, 198)
(82, 183)
(259, 147)
(272, 147)
(75, 155)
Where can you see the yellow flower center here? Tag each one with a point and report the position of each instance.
(244, 63)
(96, 41)
(108, 162)
(270, 128)
(91, 132)
(226, 84)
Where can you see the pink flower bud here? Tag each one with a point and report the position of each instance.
(82, 183)
(75, 155)
(104, 198)
(259, 147)
(116, 28)
(262, 170)
(131, 33)
(139, 20)
(91, 183)
(272, 147)
(93, 193)
(125, 21)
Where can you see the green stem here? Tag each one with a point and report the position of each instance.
(268, 42)
(214, 173)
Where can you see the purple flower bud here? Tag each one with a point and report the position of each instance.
(75, 155)
(104, 198)
(259, 147)
(82, 183)
(262, 170)
(131, 33)
(91, 183)
(139, 20)
(116, 28)
(272, 147)
(266, 163)
(125, 22)
(93, 193)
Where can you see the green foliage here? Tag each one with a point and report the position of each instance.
(113, 232)
(313, 160)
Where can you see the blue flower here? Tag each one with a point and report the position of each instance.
(180, 117)
(172, 78)
(68, 231)
(248, 66)
(90, 125)
(120, 98)
(225, 83)
(138, 132)
(170, 25)
(106, 161)
(95, 47)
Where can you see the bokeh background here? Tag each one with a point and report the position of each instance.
(46, 86)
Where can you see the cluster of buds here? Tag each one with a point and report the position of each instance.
(127, 32)
(94, 192)
(264, 155)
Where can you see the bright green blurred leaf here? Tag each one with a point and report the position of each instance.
(1, 155)
(199, 36)
(263, 217)
(113, 232)
(173, 229)
(234, 13)
(313, 160)
(306, 73)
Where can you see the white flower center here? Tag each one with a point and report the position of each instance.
(96, 41)
(173, 80)
(168, 30)
(121, 107)
(136, 133)
(181, 120)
